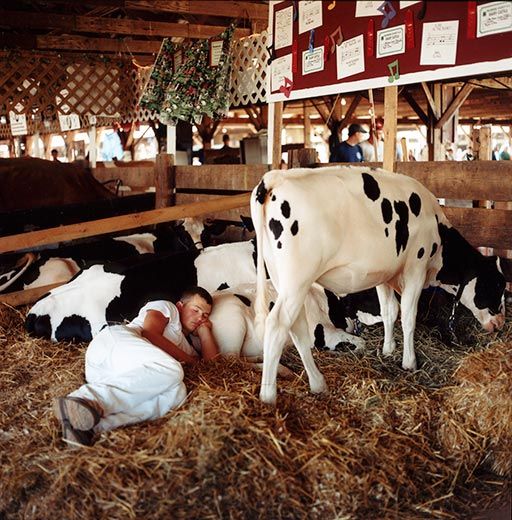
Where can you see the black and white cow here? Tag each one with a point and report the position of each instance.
(350, 229)
(59, 265)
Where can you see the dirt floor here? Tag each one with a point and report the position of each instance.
(382, 443)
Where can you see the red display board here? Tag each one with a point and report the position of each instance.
(322, 48)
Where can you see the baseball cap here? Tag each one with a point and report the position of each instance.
(352, 129)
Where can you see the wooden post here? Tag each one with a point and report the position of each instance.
(485, 150)
(390, 116)
(301, 158)
(307, 127)
(275, 135)
(163, 182)
(435, 147)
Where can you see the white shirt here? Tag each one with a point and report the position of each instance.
(173, 330)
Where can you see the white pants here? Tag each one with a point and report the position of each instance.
(131, 378)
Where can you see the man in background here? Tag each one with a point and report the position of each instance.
(349, 150)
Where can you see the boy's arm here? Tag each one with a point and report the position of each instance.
(153, 328)
(209, 347)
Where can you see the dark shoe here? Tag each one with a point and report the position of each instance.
(78, 417)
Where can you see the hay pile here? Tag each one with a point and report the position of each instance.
(382, 444)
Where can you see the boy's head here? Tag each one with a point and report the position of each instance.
(194, 307)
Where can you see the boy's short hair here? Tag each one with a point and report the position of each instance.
(191, 291)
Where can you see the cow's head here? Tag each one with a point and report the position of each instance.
(484, 295)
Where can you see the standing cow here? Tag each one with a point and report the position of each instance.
(350, 229)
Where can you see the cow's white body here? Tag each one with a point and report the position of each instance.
(328, 226)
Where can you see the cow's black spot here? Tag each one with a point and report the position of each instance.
(276, 227)
(434, 249)
(401, 226)
(387, 211)
(261, 192)
(386, 232)
(371, 186)
(273, 198)
(222, 286)
(279, 245)
(74, 328)
(39, 326)
(295, 228)
(421, 252)
(285, 209)
(271, 306)
(415, 203)
(319, 336)
(244, 299)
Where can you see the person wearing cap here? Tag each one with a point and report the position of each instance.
(368, 145)
(349, 150)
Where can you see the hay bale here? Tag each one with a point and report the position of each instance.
(476, 421)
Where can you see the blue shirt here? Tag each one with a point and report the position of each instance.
(347, 153)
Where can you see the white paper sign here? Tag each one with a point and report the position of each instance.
(18, 123)
(283, 35)
(350, 57)
(439, 43)
(391, 41)
(493, 18)
(281, 68)
(215, 52)
(310, 15)
(368, 8)
(69, 122)
(404, 5)
(313, 61)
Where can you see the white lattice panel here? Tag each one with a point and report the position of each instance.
(249, 71)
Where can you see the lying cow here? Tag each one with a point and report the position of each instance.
(350, 229)
(59, 265)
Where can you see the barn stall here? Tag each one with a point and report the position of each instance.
(381, 444)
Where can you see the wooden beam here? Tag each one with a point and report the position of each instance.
(390, 113)
(248, 10)
(86, 44)
(350, 112)
(276, 142)
(430, 99)
(17, 298)
(461, 96)
(322, 110)
(414, 105)
(121, 223)
(90, 24)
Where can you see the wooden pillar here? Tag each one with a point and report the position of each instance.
(301, 158)
(274, 134)
(485, 150)
(165, 180)
(171, 139)
(307, 127)
(390, 117)
(69, 139)
(434, 142)
(449, 130)
(47, 139)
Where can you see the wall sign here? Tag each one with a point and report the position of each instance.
(389, 41)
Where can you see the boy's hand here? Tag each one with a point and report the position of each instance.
(203, 328)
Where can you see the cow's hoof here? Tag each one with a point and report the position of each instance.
(268, 397)
(319, 387)
(388, 348)
(409, 365)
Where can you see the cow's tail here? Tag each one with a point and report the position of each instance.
(23, 264)
(258, 197)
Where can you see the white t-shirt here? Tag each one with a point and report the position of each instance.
(173, 331)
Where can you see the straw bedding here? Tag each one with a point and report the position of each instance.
(381, 444)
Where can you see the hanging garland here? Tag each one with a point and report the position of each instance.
(192, 87)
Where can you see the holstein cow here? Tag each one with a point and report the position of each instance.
(350, 229)
(60, 264)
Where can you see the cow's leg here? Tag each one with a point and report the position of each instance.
(409, 308)
(299, 333)
(277, 327)
(389, 312)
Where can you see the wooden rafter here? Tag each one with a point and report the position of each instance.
(457, 101)
(251, 10)
(430, 99)
(90, 24)
(350, 112)
(415, 106)
(322, 109)
(85, 44)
